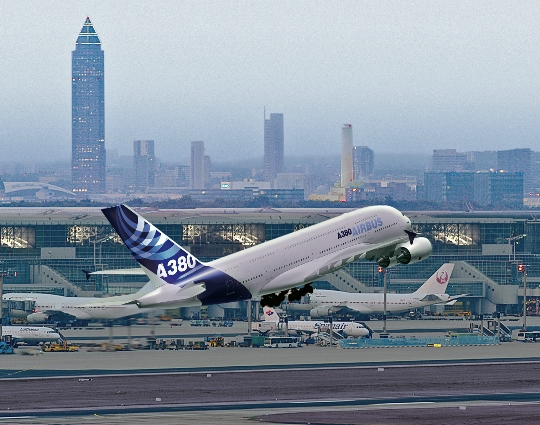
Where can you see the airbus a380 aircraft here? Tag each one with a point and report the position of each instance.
(56, 308)
(313, 326)
(431, 292)
(273, 269)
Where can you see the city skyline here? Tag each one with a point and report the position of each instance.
(412, 78)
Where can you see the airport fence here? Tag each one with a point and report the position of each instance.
(419, 342)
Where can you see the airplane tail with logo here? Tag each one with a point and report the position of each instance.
(270, 315)
(162, 259)
(438, 282)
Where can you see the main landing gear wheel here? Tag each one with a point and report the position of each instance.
(273, 300)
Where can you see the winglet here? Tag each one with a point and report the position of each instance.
(87, 274)
(411, 236)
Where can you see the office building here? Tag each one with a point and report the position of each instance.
(198, 166)
(517, 161)
(447, 160)
(145, 164)
(273, 147)
(362, 163)
(88, 162)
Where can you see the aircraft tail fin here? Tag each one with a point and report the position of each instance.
(438, 281)
(161, 258)
(270, 315)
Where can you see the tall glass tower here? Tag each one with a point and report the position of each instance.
(88, 113)
(273, 147)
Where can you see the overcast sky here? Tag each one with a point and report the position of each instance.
(408, 75)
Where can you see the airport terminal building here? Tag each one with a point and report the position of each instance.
(46, 249)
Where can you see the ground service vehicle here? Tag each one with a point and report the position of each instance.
(282, 342)
(528, 336)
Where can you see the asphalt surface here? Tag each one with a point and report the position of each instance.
(271, 391)
(417, 385)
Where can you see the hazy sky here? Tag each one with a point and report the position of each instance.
(408, 75)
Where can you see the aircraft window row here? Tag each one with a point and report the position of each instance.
(386, 227)
(252, 278)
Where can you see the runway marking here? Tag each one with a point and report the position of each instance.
(249, 369)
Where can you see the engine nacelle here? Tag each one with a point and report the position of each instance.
(354, 329)
(37, 318)
(409, 254)
(320, 312)
(386, 262)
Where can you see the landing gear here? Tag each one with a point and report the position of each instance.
(273, 300)
(296, 294)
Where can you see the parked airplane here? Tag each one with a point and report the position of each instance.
(310, 326)
(431, 292)
(273, 269)
(56, 308)
(31, 335)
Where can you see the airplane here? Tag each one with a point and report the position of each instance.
(310, 326)
(31, 335)
(50, 308)
(273, 269)
(326, 302)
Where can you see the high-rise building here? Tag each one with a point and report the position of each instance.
(273, 147)
(198, 165)
(145, 164)
(517, 161)
(88, 163)
(362, 163)
(347, 176)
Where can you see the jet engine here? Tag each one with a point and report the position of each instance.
(320, 312)
(352, 329)
(407, 253)
(37, 318)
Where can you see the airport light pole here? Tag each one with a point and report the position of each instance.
(1, 303)
(512, 248)
(522, 268)
(384, 271)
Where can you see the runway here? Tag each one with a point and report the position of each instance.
(315, 388)
(494, 384)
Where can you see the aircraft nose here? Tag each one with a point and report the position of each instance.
(406, 222)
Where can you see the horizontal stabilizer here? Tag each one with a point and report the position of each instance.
(132, 271)
(431, 298)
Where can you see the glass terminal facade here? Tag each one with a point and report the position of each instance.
(67, 240)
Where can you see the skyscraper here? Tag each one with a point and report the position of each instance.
(88, 113)
(362, 163)
(198, 165)
(145, 164)
(273, 147)
(346, 155)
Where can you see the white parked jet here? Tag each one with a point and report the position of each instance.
(32, 335)
(431, 292)
(311, 326)
(272, 269)
(49, 308)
